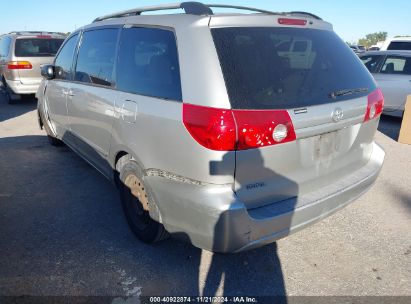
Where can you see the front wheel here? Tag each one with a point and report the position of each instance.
(136, 199)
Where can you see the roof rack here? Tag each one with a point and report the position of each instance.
(245, 8)
(33, 33)
(195, 8)
(192, 8)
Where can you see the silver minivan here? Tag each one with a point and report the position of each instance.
(21, 56)
(212, 127)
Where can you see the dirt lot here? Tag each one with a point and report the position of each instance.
(62, 232)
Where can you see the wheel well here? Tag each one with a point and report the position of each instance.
(116, 173)
(40, 120)
(118, 156)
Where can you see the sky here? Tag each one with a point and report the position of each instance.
(351, 19)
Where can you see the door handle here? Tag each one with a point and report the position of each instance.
(129, 111)
(67, 92)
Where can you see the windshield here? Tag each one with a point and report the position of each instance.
(37, 47)
(284, 68)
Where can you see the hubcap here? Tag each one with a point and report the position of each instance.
(137, 190)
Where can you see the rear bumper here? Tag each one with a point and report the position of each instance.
(213, 218)
(19, 88)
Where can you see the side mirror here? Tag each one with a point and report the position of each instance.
(47, 71)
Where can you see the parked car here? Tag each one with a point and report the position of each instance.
(21, 55)
(210, 132)
(358, 49)
(392, 71)
(374, 48)
(400, 43)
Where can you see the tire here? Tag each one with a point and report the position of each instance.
(8, 98)
(135, 199)
(8, 94)
(5, 91)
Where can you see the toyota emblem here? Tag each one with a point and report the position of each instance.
(337, 115)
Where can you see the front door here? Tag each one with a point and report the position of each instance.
(57, 89)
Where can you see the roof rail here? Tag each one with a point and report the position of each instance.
(195, 8)
(32, 33)
(245, 8)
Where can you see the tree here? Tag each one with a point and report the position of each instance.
(373, 38)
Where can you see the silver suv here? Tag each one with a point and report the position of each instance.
(212, 126)
(21, 55)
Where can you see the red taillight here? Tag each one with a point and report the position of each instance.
(292, 21)
(43, 36)
(260, 128)
(228, 130)
(375, 105)
(19, 65)
(212, 128)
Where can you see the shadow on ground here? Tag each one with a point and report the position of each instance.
(390, 126)
(63, 232)
(19, 107)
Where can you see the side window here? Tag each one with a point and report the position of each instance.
(96, 57)
(397, 65)
(148, 63)
(64, 60)
(4, 46)
(371, 62)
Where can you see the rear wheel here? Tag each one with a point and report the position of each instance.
(136, 199)
(6, 92)
(8, 98)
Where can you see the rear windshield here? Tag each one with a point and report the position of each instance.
(284, 68)
(37, 47)
(400, 45)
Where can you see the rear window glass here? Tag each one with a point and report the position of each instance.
(400, 45)
(37, 47)
(283, 68)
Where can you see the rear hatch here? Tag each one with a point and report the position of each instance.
(35, 52)
(318, 92)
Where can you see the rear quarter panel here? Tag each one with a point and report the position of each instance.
(159, 142)
(158, 139)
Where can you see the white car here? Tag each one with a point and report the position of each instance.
(399, 43)
(392, 71)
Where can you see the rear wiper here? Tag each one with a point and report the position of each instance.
(346, 92)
